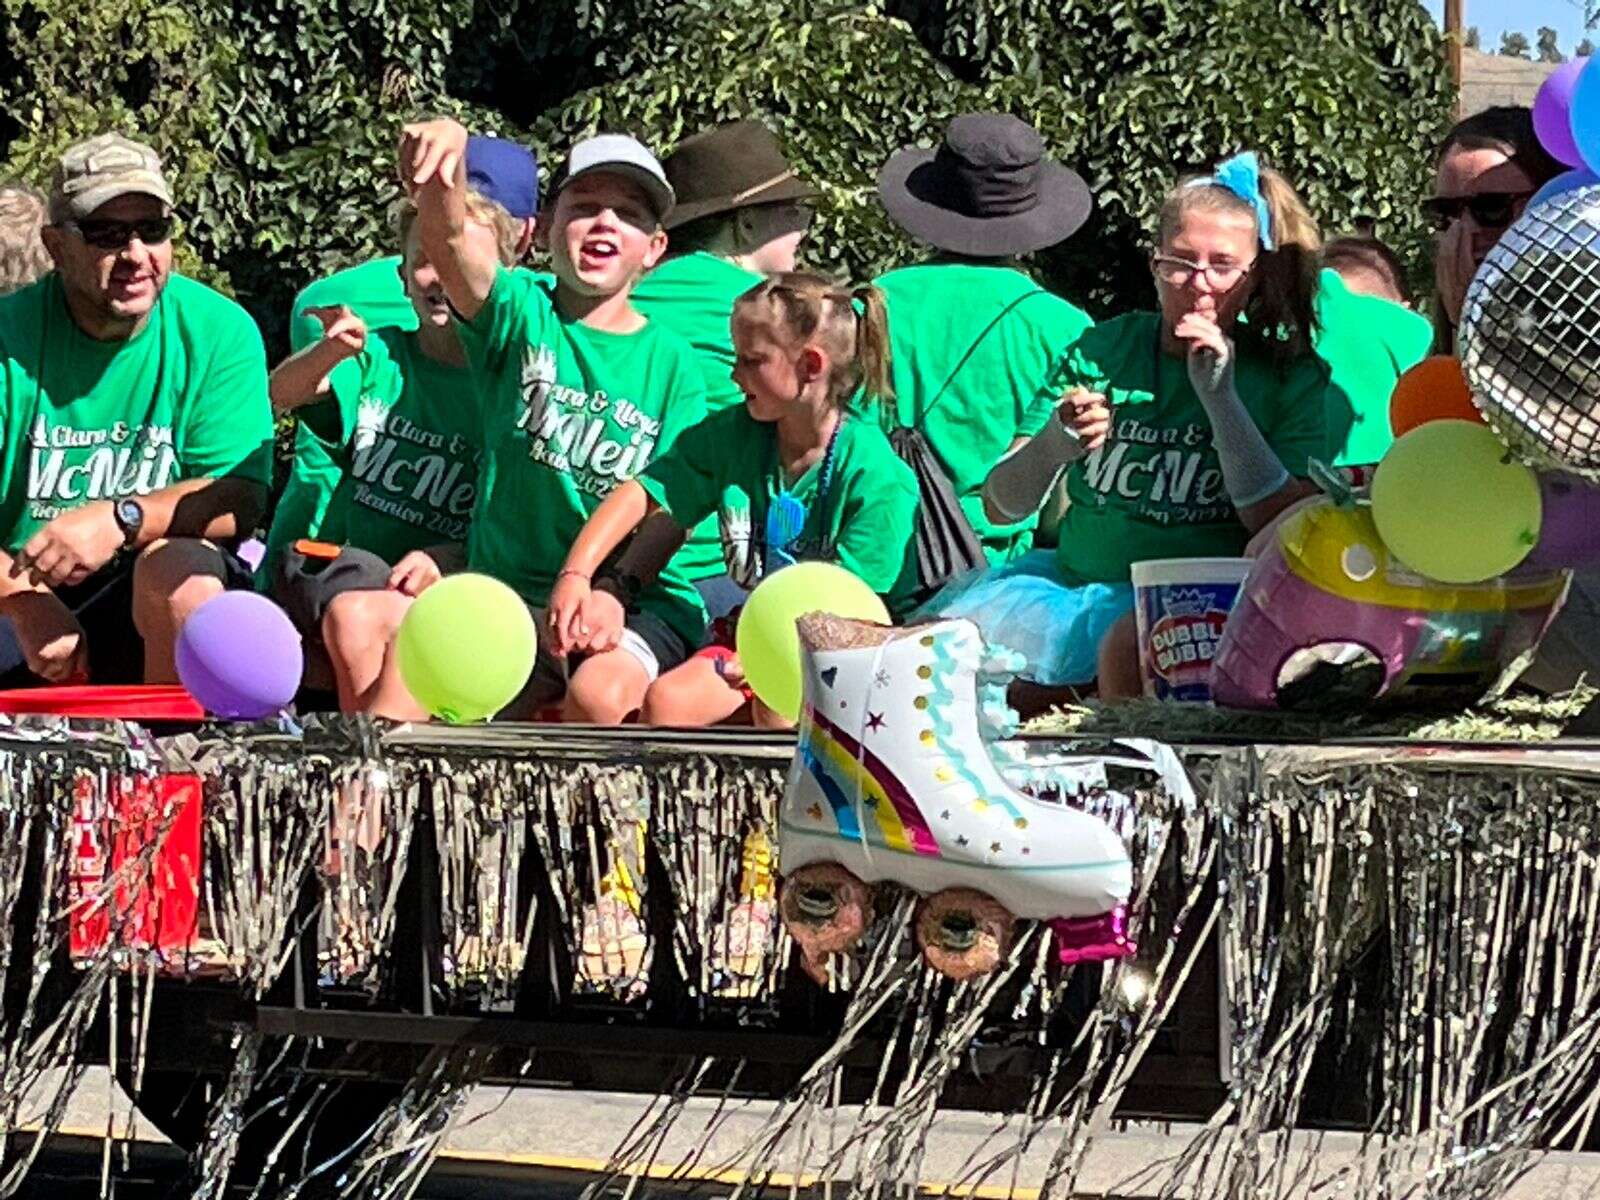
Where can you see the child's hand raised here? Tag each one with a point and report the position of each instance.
(1210, 353)
(1088, 415)
(432, 150)
(341, 328)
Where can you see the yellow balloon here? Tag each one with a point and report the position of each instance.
(466, 648)
(769, 643)
(1449, 505)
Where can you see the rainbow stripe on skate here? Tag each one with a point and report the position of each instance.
(843, 769)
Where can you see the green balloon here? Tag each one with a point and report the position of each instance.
(1449, 504)
(466, 648)
(769, 643)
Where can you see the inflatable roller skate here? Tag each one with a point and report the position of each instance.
(892, 782)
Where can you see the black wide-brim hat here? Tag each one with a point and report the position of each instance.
(987, 191)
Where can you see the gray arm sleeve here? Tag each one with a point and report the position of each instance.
(1251, 470)
(1017, 486)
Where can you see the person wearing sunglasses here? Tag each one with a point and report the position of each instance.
(1488, 168)
(137, 440)
(790, 474)
(1180, 432)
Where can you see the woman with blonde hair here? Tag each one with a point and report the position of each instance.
(1181, 431)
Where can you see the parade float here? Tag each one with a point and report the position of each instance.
(299, 944)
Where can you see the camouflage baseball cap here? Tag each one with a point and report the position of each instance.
(99, 170)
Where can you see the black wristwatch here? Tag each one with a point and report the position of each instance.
(129, 515)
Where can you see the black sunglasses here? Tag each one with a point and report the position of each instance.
(114, 235)
(1490, 210)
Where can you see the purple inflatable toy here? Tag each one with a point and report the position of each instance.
(1328, 619)
(240, 656)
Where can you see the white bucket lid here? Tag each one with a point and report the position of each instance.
(1163, 572)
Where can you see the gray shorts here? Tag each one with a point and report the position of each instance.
(305, 585)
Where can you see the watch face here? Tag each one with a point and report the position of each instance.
(129, 514)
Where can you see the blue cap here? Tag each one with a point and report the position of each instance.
(504, 172)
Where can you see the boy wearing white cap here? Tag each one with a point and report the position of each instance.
(577, 391)
(136, 440)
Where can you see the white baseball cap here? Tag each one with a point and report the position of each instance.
(619, 154)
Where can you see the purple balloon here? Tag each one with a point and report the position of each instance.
(240, 656)
(1552, 113)
(1569, 533)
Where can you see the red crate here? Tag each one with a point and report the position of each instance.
(156, 907)
(153, 702)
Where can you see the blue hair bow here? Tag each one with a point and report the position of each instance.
(1241, 175)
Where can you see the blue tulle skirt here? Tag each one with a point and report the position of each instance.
(1025, 607)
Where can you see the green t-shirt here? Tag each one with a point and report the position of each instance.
(404, 442)
(1154, 490)
(1368, 343)
(84, 420)
(567, 413)
(375, 292)
(692, 295)
(726, 469)
(972, 406)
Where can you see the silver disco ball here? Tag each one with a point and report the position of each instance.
(1530, 334)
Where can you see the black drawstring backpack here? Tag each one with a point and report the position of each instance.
(947, 545)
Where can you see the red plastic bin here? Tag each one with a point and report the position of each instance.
(151, 702)
(155, 910)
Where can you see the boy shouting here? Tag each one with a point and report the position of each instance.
(576, 391)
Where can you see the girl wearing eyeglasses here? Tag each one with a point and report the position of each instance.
(1489, 167)
(790, 474)
(1211, 409)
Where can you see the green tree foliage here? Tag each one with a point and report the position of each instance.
(1348, 97)
(1585, 49)
(279, 118)
(1473, 39)
(155, 73)
(1514, 45)
(1548, 46)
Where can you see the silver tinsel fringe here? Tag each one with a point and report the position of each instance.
(1408, 940)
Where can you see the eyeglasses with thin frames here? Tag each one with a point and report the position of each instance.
(1180, 271)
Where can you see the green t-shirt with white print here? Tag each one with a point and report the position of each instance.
(566, 413)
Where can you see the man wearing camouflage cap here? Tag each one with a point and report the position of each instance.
(136, 434)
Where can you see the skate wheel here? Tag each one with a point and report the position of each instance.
(826, 910)
(964, 933)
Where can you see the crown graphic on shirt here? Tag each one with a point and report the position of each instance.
(371, 415)
(538, 365)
